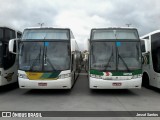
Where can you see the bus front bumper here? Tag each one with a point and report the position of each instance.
(95, 83)
(45, 84)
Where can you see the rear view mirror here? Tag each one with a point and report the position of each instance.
(13, 46)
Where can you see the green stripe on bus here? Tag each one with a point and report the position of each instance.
(133, 72)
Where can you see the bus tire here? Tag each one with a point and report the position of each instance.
(145, 80)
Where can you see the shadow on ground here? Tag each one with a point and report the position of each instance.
(8, 88)
(119, 92)
(47, 92)
(153, 89)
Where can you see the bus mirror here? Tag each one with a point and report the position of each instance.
(12, 46)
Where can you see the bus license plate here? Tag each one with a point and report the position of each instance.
(42, 84)
(116, 84)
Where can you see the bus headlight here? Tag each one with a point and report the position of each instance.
(136, 76)
(139, 75)
(96, 76)
(22, 76)
(64, 76)
(92, 75)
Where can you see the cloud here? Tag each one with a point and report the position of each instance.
(81, 15)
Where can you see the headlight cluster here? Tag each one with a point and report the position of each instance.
(96, 76)
(64, 76)
(136, 76)
(22, 76)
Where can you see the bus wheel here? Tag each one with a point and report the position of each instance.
(145, 80)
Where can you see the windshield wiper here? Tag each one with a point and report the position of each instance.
(109, 59)
(37, 58)
(46, 59)
(119, 56)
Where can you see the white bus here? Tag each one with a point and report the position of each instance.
(48, 58)
(115, 59)
(8, 64)
(151, 59)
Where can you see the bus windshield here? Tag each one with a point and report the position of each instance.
(115, 56)
(123, 34)
(30, 34)
(44, 56)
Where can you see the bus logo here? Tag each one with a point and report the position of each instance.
(6, 114)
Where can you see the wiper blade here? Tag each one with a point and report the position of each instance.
(37, 58)
(109, 59)
(125, 64)
(48, 60)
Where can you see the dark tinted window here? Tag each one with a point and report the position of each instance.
(1, 54)
(143, 46)
(122, 34)
(1, 34)
(8, 58)
(19, 35)
(155, 46)
(9, 34)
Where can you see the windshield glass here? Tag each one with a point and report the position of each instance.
(45, 34)
(44, 56)
(103, 56)
(115, 34)
(129, 55)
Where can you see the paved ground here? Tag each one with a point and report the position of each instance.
(80, 98)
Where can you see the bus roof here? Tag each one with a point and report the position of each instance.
(151, 33)
(45, 28)
(131, 28)
(10, 28)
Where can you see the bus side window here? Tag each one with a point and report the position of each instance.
(143, 46)
(9, 58)
(19, 35)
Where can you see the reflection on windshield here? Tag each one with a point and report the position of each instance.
(115, 34)
(130, 54)
(44, 56)
(103, 56)
(45, 34)
(106, 55)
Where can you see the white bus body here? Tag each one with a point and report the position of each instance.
(151, 59)
(52, 56)
(8, 61)
(115, 59)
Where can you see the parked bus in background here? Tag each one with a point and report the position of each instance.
(48, 58)
(115, 59)
(151, 59)
(8, 63)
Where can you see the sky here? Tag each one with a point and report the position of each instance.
(81, 15)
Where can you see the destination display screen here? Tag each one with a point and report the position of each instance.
(112, 34)
(46, 34)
